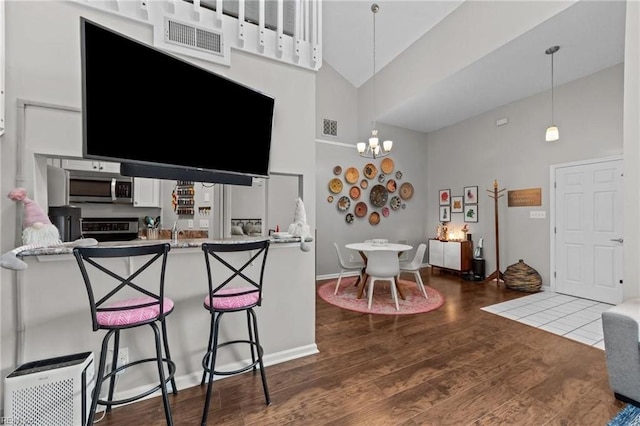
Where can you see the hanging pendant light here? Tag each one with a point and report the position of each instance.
(552, 134)
(374, 149)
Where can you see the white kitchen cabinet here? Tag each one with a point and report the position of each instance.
(146, 192)
(91, 165)
(450, 255)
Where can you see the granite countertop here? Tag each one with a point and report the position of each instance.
(181, 243)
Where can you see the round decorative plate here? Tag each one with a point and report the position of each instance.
(361, 209)
(374, 218)
(351, 175)
(386, 166)
(354, 192)
(343, 203)
(370, 171)
(406, 191)
(364, 184)
(385, 211)
(330, 199)
(378, 195)
(381, 177)
(398, 175)
(337, 170)
(391, 185)
(395, 202)
(348, 218)
(335, 185)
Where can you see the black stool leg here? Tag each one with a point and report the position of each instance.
(251, 341)
(168, 354)
(114, 365)
(163, 382)
(260, 351)
(99, 375)
(209, 349)
(215, 324)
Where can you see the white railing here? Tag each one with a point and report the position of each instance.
(285, 30)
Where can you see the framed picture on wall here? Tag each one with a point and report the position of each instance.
(445, 213)
(470, 213)
(470, 195)
(445, 197)
(457, 204)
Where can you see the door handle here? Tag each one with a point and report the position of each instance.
(620, 240)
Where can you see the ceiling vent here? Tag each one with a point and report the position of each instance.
(329, 127)
(193, 37)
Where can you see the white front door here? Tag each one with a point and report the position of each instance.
(588, 230)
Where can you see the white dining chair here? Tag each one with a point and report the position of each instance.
(413, 266)
(357, 265)
(383, 265)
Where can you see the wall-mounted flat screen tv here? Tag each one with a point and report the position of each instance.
(148, 108)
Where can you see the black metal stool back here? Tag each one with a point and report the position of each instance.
(119, 303)
(232, 289)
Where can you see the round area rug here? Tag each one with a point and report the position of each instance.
(347, 297)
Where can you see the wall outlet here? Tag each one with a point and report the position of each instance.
(539, 214)
(123, 358)
(190, 224)
(204, 223)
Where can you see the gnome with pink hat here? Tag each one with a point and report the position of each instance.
(37, 232)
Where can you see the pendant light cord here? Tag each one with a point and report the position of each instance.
(374, 9)
(552, 86)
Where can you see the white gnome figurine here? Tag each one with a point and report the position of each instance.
(299, 227)
(38, 232)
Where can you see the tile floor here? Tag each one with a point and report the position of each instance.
(571, 317)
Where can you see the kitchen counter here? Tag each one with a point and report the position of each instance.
(181, 243)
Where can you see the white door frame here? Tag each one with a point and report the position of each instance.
(552, 209)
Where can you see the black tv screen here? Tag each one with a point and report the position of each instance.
(143, 106)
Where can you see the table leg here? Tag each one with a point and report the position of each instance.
(365, 277)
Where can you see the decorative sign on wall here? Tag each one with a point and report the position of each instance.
(524, 197)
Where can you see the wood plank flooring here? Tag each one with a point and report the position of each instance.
(457, 365)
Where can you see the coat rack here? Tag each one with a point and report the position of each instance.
(495, 194)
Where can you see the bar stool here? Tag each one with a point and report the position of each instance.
(235, 291)
(119, 303)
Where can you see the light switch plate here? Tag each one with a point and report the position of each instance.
(538, 214)
(190, 223)
(204, 223)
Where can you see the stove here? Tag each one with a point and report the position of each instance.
(110, 229)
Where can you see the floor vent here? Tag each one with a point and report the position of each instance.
(193, 37)
(329, 127)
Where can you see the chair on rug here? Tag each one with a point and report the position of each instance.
(235, 274)
(413, 266)
(357, 265)
(383, 265)
(119, 304)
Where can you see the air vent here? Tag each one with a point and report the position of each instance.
(193, 37)
(329, 127)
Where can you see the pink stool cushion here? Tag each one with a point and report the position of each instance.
(233, 302)
(126, 316)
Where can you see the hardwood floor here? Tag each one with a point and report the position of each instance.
(457, 365)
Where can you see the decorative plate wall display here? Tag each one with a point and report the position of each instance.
(349, 218)
(406, 191)
(337, 170)
(364, 184)
(354, 192)
(361, 209)
(370, 171)
(374, 218)
(395, 202)
(381, 177)
(391, 185)
(344, 203)
(335, 185)
(352, 175)
(386, 166)
(330, 199)
(398, 175)
(378, 195)
(385, 211)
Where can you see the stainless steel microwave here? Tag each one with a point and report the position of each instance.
(99, 187)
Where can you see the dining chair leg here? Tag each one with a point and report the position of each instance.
(371, 283)
(338, 283)
(421, 284)
(392, 283)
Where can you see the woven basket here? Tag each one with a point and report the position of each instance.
(522, 277)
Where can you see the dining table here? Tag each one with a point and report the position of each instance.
(364, 247)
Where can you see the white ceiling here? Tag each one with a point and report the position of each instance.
(590, 35)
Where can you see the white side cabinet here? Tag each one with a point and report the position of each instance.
(146, 192)
(90, 165)
(451, 255)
